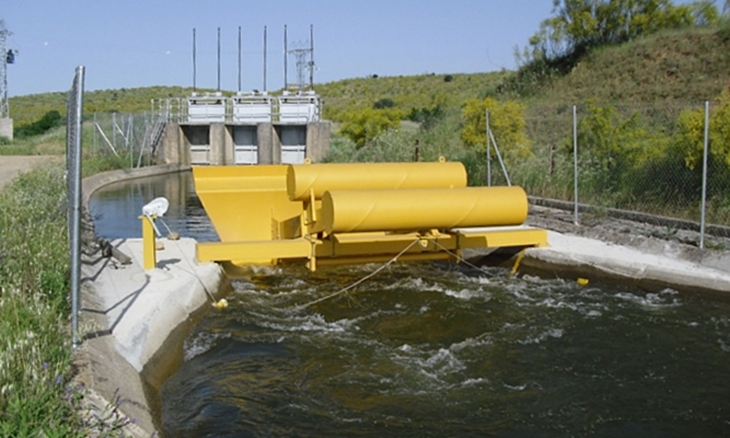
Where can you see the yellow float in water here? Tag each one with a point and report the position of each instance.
(356, 213)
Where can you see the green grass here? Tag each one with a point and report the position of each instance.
(35, 350)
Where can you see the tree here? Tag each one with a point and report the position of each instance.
(506, 121)
(581, 25)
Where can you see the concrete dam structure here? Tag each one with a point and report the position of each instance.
(244, 129)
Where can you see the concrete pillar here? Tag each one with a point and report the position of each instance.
(318, 141)
(230, 146)
(174, 147)
(268, 144)
(221, 145)
(6, 128)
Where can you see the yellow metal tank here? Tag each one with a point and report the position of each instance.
(318, 178)
(345, 211)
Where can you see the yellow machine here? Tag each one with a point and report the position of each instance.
(356, 213)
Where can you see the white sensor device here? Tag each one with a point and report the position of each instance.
(156, 207)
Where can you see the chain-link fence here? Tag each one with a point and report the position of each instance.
(647, 158)
(131, 138)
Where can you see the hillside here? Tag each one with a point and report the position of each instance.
(29, 108)
(684, 66)
(407, 92)
(689, 65)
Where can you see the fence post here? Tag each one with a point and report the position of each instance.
(575, 166)
(73, 163)
(489, 152)
(703, 207)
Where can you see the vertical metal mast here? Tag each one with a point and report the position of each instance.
(311, 57)
(239, 59)
(4, 33)
(264, 58)
(285, 56)
(195, 78)
(219, 59)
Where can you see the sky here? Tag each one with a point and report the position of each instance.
(135, 43)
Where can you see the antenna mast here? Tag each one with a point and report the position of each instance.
(303, 65)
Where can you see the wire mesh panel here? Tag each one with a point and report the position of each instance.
(130, 138)
(640, 157)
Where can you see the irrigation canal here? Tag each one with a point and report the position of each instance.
(434, 350)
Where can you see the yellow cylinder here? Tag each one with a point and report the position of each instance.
(345, 211)
(301, 179)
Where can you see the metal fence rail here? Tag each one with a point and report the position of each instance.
(75, 105)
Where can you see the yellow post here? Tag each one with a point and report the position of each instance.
(148, 243)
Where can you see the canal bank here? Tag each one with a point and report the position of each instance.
(133, 322)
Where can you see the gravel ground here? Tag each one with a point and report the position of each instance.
(13, 165)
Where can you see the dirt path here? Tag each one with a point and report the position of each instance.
(13, 165)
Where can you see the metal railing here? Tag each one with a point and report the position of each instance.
(241, 108)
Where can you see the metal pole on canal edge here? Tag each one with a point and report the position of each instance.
(489, 155)
(575, 166)
(704, 175)
(73, 163)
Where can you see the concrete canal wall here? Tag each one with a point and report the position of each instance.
(133, 321)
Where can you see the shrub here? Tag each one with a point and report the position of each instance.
(50, 120)
(506, 121)
(384, 103)
(363, 125)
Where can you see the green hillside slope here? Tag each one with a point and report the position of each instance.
(688, 66)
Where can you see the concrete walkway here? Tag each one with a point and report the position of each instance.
(650, 268)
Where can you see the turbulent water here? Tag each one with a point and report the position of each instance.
(431, 350)
(434, 350)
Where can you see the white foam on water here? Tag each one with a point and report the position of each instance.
(594, 314)
(414, 283)
(654, 301)
(443, 362)
(309, 323)
(515, 387)
(553, 303)
(468, 294)
(201, 343)
(475, 382)
(481, 340)
(543, 336)
(406, 348)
